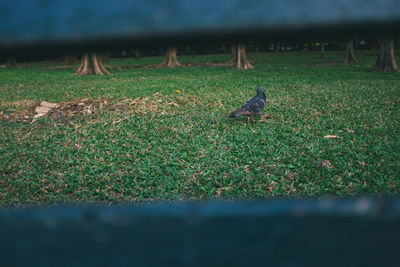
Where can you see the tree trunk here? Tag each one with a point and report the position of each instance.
(209, 49)
(241, 61)
(193, 51)
(350, 58)
(386, 60)
(91, 64)
(170, 60)
(11, 62)
(138, 53)
(276, 47)
(322, 49)
(233, 53)
(373, 44)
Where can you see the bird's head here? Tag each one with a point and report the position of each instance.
(261, 92)
(260, 89)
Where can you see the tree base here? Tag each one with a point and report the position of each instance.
(350, 57)
(240, 58)
(91, 64)
(138, 53)
(233, 53)
(386, 61)
(171, 60)
(322, 50)
(11, 62)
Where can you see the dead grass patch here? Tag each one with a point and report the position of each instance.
(30, 110)
(19, 104)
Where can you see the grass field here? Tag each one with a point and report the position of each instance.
(163, 134)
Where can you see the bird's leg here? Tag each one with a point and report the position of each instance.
(248, 118)
(265, 116)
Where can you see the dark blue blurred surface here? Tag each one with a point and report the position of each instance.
(278, 233)
(29, 22)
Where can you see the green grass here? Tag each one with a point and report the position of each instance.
(155, 151)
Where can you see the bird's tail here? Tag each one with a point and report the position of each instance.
(238, 112)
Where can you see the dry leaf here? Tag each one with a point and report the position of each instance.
(172, 104)
(117, 121)
(58, 114)
(331, 136)
(48, 104)
(326, 163)
(44, 108)
(38, 115)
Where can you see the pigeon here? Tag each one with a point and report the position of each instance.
(254, 106)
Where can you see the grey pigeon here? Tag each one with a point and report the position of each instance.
(254, 106)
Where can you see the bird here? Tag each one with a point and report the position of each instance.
(253, 106)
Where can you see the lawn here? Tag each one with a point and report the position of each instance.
(163, 134)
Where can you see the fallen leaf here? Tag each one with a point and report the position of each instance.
(40, 109)
(44, 109)
(362, 163)
(48, 104)
(38, 115)
(326, 163)
(172, 104)
(331, 136)
(117, 121)
(58, 114)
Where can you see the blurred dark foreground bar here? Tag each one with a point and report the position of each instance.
(102, 23)
(360, 232)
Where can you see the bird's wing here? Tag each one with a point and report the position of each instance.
(255, 105)
(239, 112)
